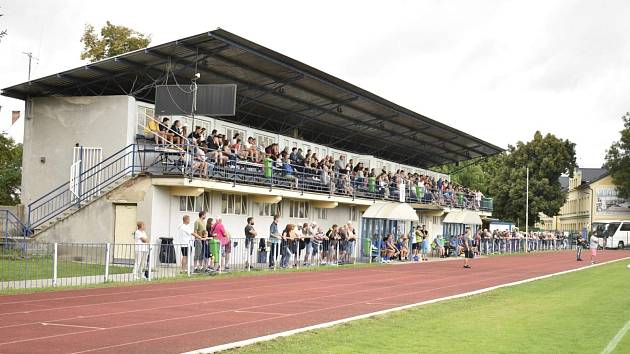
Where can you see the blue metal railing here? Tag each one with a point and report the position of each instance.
(181, 160)
(11, 226)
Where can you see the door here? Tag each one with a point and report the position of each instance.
(624, 233)
(125, 226)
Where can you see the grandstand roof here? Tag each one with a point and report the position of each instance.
(275, 93)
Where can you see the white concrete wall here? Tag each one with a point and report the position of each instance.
(58, 123)
(235, 224)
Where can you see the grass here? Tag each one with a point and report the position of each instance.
(41, 267)
(573, 313)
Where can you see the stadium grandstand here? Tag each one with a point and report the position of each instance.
(302, 144)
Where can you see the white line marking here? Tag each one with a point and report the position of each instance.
(68, 325)
(222, 347)
(616, 339)
(262, 313)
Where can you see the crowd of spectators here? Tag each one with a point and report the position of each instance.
(330, 173)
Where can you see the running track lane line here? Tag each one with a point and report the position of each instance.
(616, 339)
(305, 312)
(269, 337)
(188, 304)
(245, 308)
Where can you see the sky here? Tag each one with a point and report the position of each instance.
(499, 70)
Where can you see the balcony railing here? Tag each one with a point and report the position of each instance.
(181, 160)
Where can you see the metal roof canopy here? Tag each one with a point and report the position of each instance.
(275, 93)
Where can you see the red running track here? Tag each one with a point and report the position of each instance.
(184, 316)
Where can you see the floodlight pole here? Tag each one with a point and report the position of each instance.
(194, 103)
(527, 211)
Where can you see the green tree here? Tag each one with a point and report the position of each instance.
(10, 170)
(3, 32)
(473, 174)
(113, 40)
(547, 157)
(618, 160)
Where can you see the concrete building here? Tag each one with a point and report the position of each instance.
(591, 197)
(91, 168)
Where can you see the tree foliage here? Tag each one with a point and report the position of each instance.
(503, 177)
(113, 40)
(618, 160)
(10, 170)
(547, 157)
(3, 32)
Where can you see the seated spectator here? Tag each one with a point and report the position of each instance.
(176, 133)
(163, 136)
(439, 245)
(196, 134)
(289, 173)
(199, 161)
(391, 251)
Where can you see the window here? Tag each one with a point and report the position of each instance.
(625, 226)
(298, 209)
(233, 204)
(198, 203)
(202, 202)
(186, 203)
(230, 132)
(322, 213)
(264, 140)
(353, 213)
(269, 209)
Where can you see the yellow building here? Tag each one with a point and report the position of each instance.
(591, 197)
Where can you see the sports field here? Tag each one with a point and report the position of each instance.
(579, 312)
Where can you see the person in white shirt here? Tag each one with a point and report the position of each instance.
(185, 235)
(142, 251)
(593, 244)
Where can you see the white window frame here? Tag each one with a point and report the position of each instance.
(299, 209)
(269, 209)
(322, 213)
(233, 204)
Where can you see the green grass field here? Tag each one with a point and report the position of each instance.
(41, 267)
(578, 312)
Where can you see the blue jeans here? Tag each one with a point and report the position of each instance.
(273, 253)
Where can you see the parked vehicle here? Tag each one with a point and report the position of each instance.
(615, 233)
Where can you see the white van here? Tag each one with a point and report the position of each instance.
(616, 233)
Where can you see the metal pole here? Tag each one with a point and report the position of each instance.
(527, 205)
(108, 248)
(149, 261)
(55, 265)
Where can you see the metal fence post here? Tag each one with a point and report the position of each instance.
(79, 193)
(190, 257)
(133, 159)
(55, 257)
(149, 258)
(107, 252)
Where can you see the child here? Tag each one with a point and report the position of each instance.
(404, 249)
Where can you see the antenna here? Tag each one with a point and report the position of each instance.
(30, 59)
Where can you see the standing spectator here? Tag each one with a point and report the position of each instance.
(308, 232)
(426, 247)
(285, 246)
(593, 244)
(579, 243)
(333, 242)
(142, 251)
(274, 238)
(185, 235)
(250, 236)
(417, 243)
(222, 237)
(468, 247)
(201, 244)
(352, 240)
